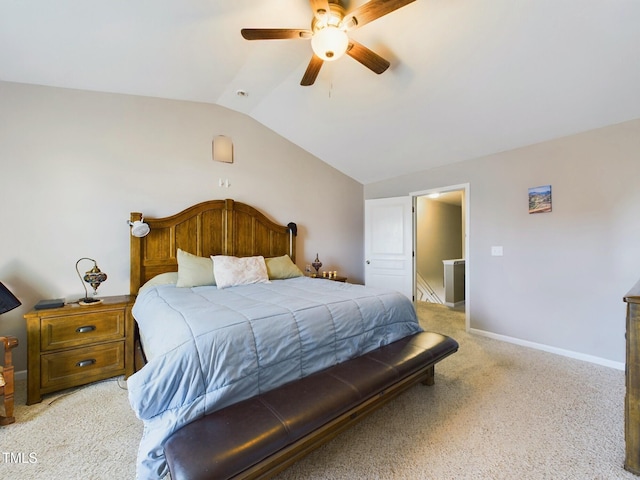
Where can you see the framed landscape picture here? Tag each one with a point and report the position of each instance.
(540, 199)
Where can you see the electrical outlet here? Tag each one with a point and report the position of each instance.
(496, 251)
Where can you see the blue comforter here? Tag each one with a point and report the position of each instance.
(212, 348)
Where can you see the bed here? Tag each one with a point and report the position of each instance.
(205, 347)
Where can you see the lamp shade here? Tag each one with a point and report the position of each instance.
(8, 301)
(222, 149)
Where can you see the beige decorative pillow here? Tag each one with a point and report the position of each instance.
(231, 271)
(163, 279)
(194, 271)
(282, 267)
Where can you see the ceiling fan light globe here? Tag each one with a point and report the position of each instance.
(329, 43)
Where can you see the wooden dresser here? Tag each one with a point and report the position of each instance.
(632, 399)
(74, 345)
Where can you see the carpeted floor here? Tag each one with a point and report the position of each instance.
(497, 411)
(87, 433)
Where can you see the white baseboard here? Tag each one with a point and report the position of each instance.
(455, 304)
(20, 375)
(546, 348)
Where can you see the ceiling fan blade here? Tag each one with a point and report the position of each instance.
(312, 71)
(371, 11)
(275, 33)
(319, 7)
(367, 57)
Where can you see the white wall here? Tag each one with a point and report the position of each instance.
(74, 164)
(561, 280)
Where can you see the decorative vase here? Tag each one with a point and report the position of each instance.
(316, 264)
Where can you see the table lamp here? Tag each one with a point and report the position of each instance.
(93, 277)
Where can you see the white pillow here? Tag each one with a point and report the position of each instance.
(231, 271)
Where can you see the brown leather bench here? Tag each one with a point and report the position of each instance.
(263, 435)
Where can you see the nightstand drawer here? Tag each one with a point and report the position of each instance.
(81, 365)
(76, 330)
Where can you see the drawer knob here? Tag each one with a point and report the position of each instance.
(86, 329)
(86, 363)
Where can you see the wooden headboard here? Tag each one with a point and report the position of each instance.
(216, 227)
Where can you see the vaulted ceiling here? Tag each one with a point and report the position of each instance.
(468, 78)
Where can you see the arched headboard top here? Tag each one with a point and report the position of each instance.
(215, 227)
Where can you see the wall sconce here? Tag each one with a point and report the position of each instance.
(139, 228)
(93, 277)
(222, 149)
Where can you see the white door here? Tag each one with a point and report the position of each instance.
(388, 244)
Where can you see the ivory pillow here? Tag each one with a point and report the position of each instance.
(162, 279)
(194, 271)
(231, 271)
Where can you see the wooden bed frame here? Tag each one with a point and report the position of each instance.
(227, 227)
(216, 227)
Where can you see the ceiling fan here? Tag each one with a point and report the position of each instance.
(328, 34)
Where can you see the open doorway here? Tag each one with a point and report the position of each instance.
(441, 246)
(392, 250)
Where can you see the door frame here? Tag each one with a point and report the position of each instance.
(465, 187)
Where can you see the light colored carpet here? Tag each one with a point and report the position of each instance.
(87, 433)
(497, 411)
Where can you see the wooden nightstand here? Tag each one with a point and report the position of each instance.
(75, 344)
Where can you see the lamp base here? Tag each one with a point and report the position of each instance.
(89, 301)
